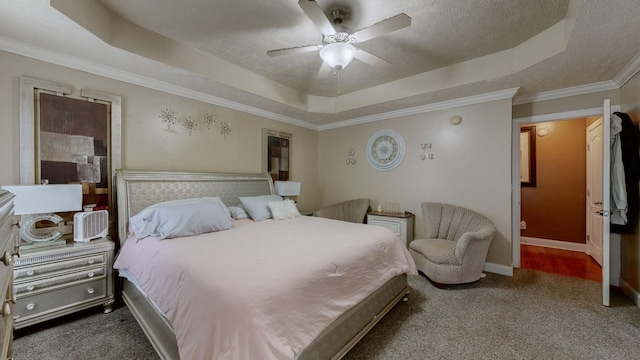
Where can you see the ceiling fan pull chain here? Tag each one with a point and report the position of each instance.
(338, 74)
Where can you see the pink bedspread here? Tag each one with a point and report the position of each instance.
(262, 290)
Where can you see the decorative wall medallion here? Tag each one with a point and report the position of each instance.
(385, 150)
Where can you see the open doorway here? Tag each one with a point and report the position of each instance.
(553, 225)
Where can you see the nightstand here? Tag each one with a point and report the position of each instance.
(401, 224)
(57, 280)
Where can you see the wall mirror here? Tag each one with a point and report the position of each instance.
(70, 140)
(276, 154)
(528, 156)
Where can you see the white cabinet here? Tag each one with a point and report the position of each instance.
(400, 224)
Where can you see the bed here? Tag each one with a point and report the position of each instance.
(329, 335)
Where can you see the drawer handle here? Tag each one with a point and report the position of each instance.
(6, 310)
(90, 291)
(30, 288)
(90, 274)
(7, 258)
(90, 261)
(30, 306)
(30, 273)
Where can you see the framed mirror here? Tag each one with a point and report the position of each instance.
(528, 156)
(276, 154)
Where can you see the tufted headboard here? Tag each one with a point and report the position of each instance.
(136, 190)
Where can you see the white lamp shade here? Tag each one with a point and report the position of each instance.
(338, 55)
(38, 199)
(287, 188)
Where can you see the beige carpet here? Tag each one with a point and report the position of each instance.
(533, 315)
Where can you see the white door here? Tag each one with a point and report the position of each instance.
(595, 145)
(598, 194)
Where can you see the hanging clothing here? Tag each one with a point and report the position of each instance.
(618, 186)
(629, 138)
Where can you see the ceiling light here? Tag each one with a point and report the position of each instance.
(338, 55)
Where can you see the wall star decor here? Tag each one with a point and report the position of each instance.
(192, 124)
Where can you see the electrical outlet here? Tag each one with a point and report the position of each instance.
(523, 225)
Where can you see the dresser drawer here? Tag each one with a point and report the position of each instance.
(6, 234)
(37, 285)
(6, 322)
(25, 272)
(43, 302)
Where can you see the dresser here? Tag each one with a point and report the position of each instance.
(52, 281)
(8, 241)
(401, 224)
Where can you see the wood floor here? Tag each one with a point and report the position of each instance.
(563, 262)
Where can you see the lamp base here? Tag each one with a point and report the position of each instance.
(32, 239)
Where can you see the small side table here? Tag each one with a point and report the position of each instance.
(401, 224)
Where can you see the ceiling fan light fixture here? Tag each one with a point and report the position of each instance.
(338, 55)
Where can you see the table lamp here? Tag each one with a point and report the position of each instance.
(286, 189)
(40, 202)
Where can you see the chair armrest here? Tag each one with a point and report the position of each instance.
(485, 234)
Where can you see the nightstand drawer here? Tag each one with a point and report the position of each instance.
(36, 286)
(399, 224)
(391, 225)
(38, 304)
(26, 272)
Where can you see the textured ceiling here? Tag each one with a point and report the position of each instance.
(442, 33)
(217, 49)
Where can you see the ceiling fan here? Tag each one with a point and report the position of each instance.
(337, 48)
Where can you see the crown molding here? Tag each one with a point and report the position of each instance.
(443, 105)
(91, 67)
(566, 92)
(628, 71)
(618, 81)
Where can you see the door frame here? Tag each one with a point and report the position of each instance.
(515, 165)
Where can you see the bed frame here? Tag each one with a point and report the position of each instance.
(135, 190)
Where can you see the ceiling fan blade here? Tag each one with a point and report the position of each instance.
(384, 27)
(370, 59)
(325, 70)
(294, 50)
(315, 13)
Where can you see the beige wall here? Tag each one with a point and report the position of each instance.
(146, 145)
(630, 243)
(555, 208)
(471, 168)
(571, 103)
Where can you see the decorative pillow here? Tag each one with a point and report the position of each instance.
(258, 206)
(237, 212)
(178, 218)
(282, 210)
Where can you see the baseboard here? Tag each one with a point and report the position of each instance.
(498, 269)
(555, 244)
(632, 293)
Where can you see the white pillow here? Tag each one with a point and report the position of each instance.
(181, 218)
(282, 210)
(258, 206)
(237, 212)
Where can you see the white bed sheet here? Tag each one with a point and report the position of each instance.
(263, 290)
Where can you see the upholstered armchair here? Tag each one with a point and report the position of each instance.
(455, 244)
(351, 210)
